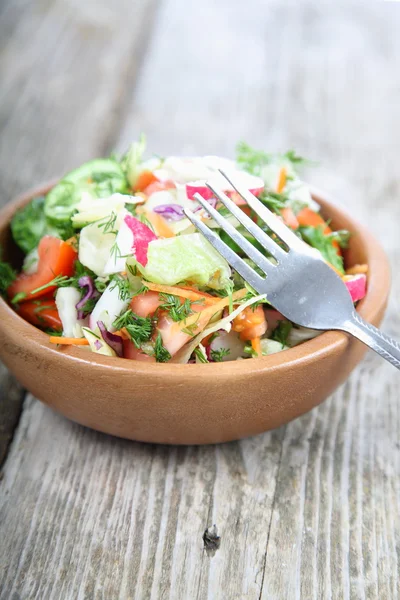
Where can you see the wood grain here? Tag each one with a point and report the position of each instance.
(311, 510)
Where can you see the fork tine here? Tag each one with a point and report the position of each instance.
(232, 258)
(252, 252)
(273, 222)
(256, 231)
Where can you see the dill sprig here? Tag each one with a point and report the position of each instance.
(218, 355)
(177, 310)
(161, 354)
(139, 328)
(124, 290)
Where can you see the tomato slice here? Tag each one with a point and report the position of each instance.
(55, 258)
(133, 353)
(250, 323)
(42, 312)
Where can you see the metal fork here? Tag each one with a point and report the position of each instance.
(298, 283)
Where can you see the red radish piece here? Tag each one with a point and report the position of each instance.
(357, 286)
(142, 236)
(249, 182)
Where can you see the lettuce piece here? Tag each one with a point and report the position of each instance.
(99, 178)
(185, 258)
(30, 224)
(133, 160)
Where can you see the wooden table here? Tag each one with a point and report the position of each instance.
(311, 510)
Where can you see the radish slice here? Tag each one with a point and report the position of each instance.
(254, 184)
(357, 286)
(142, 236)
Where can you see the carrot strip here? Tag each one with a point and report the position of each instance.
(256, 345)
(357, 270)
(181, 292)
(281, 180)
(199, 320)
(66, 341)
(123, 333)
(159, 224)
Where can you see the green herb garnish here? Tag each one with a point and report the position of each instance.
(160, 352)
(124, 291)
(139, 328)
(177, 310)
(218, 355)
(316, 238)
(281, 332)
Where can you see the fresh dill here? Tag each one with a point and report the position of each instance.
(139, 328)
(218, 355)
(177, 310)
(124, 291)
(161, 354)
(108, 223)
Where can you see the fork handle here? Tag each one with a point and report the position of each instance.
(374, 338)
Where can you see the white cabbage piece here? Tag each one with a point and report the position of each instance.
(66, 300)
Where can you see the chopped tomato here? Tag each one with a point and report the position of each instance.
(133, 353)
(289, 217)
(158, 186)
(309, 217)
(145, 179)
(146, 304)
(55, 258)
(250, 323)
(42, 312)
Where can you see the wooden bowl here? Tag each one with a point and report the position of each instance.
(190, 404)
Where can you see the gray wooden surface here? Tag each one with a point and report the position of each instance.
(311, 510)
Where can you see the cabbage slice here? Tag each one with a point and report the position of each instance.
(185, 258)
(185, 353)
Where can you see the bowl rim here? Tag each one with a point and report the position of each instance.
(325, 344)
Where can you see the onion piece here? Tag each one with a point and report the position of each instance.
(91, 292)
(114, 341)
(171, 212)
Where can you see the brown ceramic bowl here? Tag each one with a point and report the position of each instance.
(190, 404)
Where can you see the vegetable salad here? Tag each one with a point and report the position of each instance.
(112, 264)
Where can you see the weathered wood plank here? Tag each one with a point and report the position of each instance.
(311, 510)
(11, 397)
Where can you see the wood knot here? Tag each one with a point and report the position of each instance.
(212, 540)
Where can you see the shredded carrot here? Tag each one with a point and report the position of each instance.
(200, 319)
(123, 333)
(256, 345)
(181, 292)
(160, 227)
(67, 341)
(357, 270)
(281, 180)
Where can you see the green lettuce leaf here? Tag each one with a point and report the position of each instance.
(185, 258)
